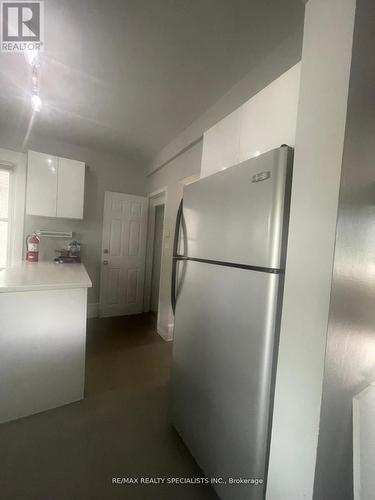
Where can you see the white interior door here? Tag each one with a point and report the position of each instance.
(123, 254)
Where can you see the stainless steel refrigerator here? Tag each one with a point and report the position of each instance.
(227, 283)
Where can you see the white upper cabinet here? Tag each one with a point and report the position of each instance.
(55, 186)
(41, 184)
(269, 119)
(70, 189)
(264, 122)
(221, 144)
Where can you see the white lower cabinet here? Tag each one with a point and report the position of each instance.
(42, 350)
(55, 186)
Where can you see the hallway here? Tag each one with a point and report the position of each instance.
(121, 429)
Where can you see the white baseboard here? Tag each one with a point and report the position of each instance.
(93, 310)
(170, 331)
(166, 334)
(163, 333)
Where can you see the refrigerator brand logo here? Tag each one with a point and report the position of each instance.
(22, 26)
(262, 176)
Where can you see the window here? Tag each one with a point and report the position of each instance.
(4, 216)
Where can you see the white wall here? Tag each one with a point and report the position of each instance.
(172, 176)
(104, 172)
(264, 122)
(321, 119)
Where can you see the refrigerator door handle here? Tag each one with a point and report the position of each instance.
(175, 258)
(177, 281)
(179, 224)
(173, 285)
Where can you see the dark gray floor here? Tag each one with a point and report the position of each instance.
(120, 429)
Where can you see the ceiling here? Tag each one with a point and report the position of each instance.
(127, 76)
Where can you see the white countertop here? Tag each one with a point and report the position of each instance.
(43, 276)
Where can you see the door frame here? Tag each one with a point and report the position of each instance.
(156, 198)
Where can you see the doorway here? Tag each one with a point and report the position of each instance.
(154, 260)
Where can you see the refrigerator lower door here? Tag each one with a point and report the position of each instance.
(222, 372)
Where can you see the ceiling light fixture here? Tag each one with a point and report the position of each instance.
(36, 103)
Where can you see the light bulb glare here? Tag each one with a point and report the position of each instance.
(36, 103)
(31, 57)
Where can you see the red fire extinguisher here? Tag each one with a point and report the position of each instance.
(32, 247)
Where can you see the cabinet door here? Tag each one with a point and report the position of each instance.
(70, 189)
(41, 184)
(221, 144)
(269, 118)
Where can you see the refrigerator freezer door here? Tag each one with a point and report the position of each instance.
(222, 371)
(237, 215)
